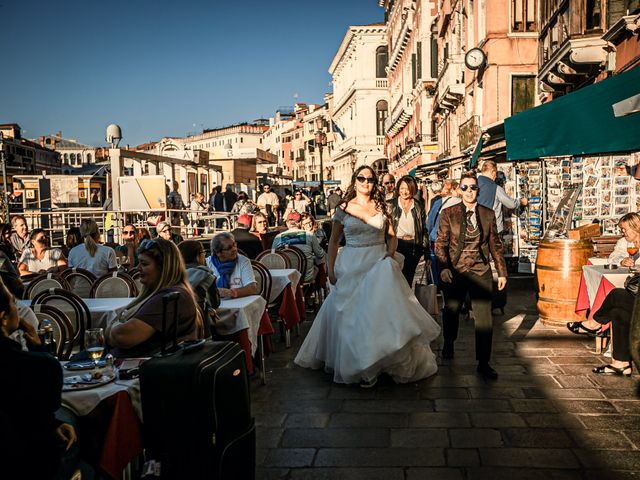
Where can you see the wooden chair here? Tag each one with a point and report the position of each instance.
(114, 285)
(263, 283)
(62, 329)
(44, 282)
(80, 281)
(273, 260)
(72, 306)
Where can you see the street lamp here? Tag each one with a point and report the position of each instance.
(320, 140)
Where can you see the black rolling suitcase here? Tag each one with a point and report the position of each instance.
(196, 410)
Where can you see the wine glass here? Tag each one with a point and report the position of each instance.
(94, 341)
(632, 250)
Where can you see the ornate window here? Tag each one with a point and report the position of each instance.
(381, 61)
(382, 111)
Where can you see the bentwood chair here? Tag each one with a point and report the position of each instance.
(44, 282)
(80, 281)
(273, 260)
(114, 285)
(263, 284)
(72, 306)
(62, 328)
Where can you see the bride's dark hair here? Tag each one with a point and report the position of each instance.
(377, 194)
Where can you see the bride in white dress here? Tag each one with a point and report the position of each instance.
(370, 322)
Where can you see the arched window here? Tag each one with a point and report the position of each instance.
(382, 111)
(73, 158)
(381, 61)
(88, 158)
(66, 158)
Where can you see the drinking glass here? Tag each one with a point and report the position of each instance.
(632, 250)
(94, 341)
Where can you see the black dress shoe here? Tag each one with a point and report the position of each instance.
(487, 372)
(447, 352)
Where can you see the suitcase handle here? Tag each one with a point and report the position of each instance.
(166, 299)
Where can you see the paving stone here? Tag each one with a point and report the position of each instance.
(268, 419)
(434, 393)
(529, 457)
(419, 437)
(611, 475)
(601, 439)
(462, 457)
(307, 420)
(603, 459)
(624, 406)
(533, 406)
(268, 437)
(271, 473)
(494, 473)
(552, 420)
(290, 457)
(536, 392)
(492, 391)
(299, 406)
(567, 360)
(574, 381)
(377, 457)
(537, 438)
(341, 392)
(633, 436)
(576, 393)
(308, 393)
(439, 419)
(475, 405)
(387, 406)
(613, 422)
(335, 437)
(475, 437)
(348, 474)
(339, 420)
(619, 393)
(497, 420)
(434, 473)
(585, 406)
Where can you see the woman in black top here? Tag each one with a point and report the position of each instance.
(32, 441)
(409, 222)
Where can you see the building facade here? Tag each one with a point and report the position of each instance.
(72, 153)
(360, 101)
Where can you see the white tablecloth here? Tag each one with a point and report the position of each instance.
(81, 402)
(280, 278)
(593, 275)
(103, 310)
(243, 313)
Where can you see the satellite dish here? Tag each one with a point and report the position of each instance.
(114, 135)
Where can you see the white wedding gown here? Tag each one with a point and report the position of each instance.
(371, 322)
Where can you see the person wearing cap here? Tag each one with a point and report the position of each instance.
(247, 242)
(305, 241)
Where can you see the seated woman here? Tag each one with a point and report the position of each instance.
(630, 227)
(310, 224)
(165, 231)
(234, 273)
(73, 239)
(91, 256)
(31, 390)
(617, 308)
(137, 332)
(38, 257)
(128, 251)
(260, 225)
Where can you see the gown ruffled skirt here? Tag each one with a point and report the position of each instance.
(370, 323)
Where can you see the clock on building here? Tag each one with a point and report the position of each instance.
(475, 58)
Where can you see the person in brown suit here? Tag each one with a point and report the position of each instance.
(467, 234)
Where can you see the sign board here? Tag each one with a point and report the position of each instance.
(142, 193)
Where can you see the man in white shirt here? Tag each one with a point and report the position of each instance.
(389, 184)
(269, 202)
(305, 241)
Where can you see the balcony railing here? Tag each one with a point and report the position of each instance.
(381, 83)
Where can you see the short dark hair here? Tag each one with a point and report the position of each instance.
(190, 250)
(470, 175)
(410, 182)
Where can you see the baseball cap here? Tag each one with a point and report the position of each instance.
(294, 216)
(244, 219)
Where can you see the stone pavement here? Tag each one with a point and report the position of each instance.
(547, 416)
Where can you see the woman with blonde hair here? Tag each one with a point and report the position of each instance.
(629, 225)
(90, 255)
(138, 330)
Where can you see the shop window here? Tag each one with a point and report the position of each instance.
(523, 16)
(523, 93)
(381, 62)
(382, 109)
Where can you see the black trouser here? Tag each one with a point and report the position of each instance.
(412, 255)
(617, 308)
(479, 288)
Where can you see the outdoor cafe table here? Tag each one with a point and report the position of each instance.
(595, 285)
(286, 281)
(103, 310)
(109, 423)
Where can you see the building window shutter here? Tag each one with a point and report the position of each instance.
(419, 60)
(434, 58)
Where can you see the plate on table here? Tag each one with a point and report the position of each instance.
(85, 382)
(84, 364)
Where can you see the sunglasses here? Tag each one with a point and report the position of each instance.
(388, 183)
(464, 188)
(369, 180)
(128, 232)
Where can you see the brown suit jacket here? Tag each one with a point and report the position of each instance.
(447, 242)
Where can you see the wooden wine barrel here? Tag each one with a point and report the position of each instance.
(558, 272)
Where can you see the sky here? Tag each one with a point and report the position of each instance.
(165, 67)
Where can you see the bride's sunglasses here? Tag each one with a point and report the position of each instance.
(369, 180)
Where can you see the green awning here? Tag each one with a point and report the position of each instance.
(579, 123)
(476, 153)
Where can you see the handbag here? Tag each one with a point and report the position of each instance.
(632, 284)
(426, 291)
